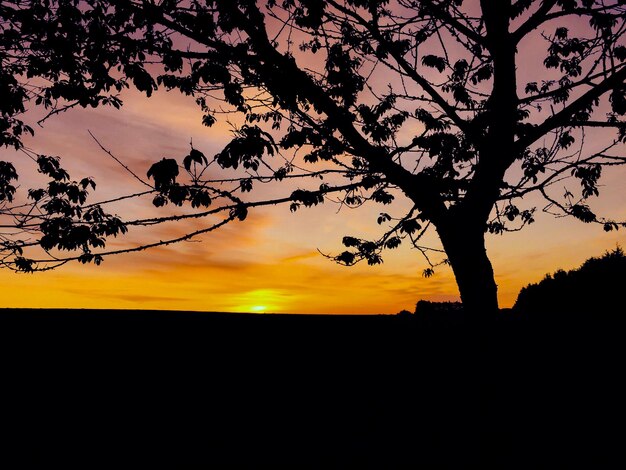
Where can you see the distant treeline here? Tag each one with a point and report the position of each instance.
(596, 285)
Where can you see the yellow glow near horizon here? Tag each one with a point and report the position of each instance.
(260, 301)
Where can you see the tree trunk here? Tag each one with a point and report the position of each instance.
(464, 244)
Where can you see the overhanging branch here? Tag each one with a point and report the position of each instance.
(562, 118)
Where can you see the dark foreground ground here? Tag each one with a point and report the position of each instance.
(86, 389)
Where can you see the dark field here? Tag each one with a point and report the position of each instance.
(199, 390)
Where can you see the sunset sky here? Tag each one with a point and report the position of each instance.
(270, 262)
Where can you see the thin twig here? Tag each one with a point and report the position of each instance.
(119, 161)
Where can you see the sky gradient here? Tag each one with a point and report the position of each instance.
(270, 262)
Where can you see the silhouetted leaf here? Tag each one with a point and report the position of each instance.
(484, 73)
(50, 166)
(383, 218)
(159, 200)
(583, 213)
(434, 61)
(618, 100)
(346, 258)
(382, 196)
(246, 185)
(374, 259)
(208, 120)
(531, 87)
(194, 156)
(199, 197)
(23, 264)
(164, 173)
(85, 182)
(350, 241)
(247, 149)
(7, 174)
(393, 242)
(142, 80)
(240, 212)
(410, 226)
(177, 194)
(36, 194)
(308, 198)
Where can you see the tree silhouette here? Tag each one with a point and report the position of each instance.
(419, 100)
(594, 289)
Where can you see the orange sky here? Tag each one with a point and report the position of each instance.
(270, 262)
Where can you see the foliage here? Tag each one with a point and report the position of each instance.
(425, 307)
(407, 101)
(594, 287)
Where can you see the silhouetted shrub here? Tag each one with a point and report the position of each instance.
(404, 313)
(426, 307)
(595, 286)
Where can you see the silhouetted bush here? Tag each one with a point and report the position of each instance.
(594, 287)
(404, 313)
(426, 307)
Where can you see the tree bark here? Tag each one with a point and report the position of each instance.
(464, 244)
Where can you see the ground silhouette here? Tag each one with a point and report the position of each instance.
(196, 390)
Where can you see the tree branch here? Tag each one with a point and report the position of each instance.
(615, 125)
(450, 20)
(463, 125)
(571, 86)
(534, 21)
(417, 187)
(561, 118)
(539, 20)
(108, 152)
